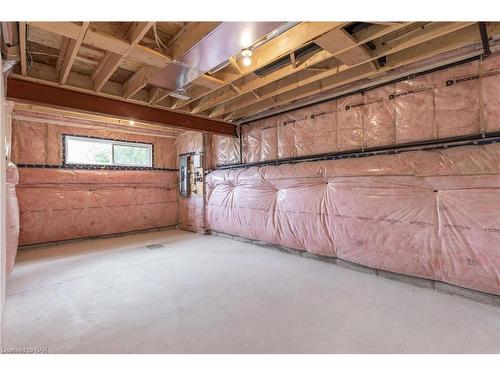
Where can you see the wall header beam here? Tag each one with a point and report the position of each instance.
(60, 97)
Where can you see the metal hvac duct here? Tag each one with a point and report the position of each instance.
(225, 41)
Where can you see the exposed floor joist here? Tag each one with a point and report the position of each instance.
(121, 60)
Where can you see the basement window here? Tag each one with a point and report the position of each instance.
(106, 152)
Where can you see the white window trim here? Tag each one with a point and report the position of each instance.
(112, 158)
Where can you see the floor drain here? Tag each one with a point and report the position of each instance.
(155, 246)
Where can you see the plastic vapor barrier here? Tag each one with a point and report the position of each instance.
(12, 216)
(431, 214)
(457, 101)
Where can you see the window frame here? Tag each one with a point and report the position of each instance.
(112, 142)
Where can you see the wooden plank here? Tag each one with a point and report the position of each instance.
(62, 52)
(338, 40)
(278, 47)
(157, 94)
(59, 97)
(135, 34)
(445, 43)
(290, 84)
(71, 52)
(105, 42)
(208, 81)
(22, 47)
(192, 33)
(139, 79)
(185, 40)
(252, 82)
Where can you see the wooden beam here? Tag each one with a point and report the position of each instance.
(303, 79)
(251, 82)
(278, 47)
(71, 52)
(445, 43)
(62, 52)
(208, 82)
(190, 35)
(157, 94)
(139, 79)
(338, 40)
(58, 97)
(22, 47)
(135, 34)
(105, 42)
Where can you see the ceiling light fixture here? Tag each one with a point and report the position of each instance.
(246, 52)
(247, 61)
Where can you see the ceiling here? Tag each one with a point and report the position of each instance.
(122, 59)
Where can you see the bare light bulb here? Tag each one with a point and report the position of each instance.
(246, 52)
(247, 61)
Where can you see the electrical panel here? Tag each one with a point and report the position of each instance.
(191, 175)
(184, 175)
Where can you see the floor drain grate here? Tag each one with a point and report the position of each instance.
(155, 246)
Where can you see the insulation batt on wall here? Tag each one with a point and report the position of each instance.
(83, 203)
(457, 101)
(67, 203)
(431, 214)
(12, 216)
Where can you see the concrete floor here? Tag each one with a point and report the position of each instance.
(206, 294)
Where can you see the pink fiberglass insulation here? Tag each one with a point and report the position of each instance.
(431, 214)
(457, 96)
(12, 216)
(413, 103)
(457, 101)
(490, 88)
(350, 130)
(87, 203)
(380, 125)
(79, 203)
(37, 142)
(226, 150)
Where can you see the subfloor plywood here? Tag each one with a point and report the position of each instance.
(207, 294)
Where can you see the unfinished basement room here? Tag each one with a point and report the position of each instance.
(250, 187)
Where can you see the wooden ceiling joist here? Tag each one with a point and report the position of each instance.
(282, 86)
(337, 40)
(22, 47)
(278, 47)
(59, 97)
(191, 34)
(251, 82)
(135, 35)
(310, 58)
(448, 42)
(71, 52)
(105, 42)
